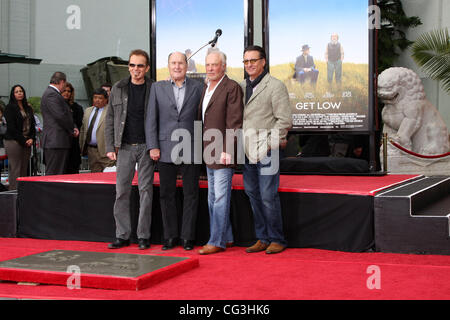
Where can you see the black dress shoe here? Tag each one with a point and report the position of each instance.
(143, 244)
(169, 244)
(188, 244)
(119, 243)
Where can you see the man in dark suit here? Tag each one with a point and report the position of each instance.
(221, 109)
(305, 67)
(59, 128)
(172, 111)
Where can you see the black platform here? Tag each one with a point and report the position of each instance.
(312, 218)
(325, 166)
(8, 213)
(414, 218)
(323, 212)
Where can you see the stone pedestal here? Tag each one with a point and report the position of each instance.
(400, 162)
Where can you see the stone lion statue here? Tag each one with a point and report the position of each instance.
(409, 118)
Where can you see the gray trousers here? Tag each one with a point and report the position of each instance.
(56, 161)
(127, 158)
(18, 159)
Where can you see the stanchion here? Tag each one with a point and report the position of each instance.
(385, 157)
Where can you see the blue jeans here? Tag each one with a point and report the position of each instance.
(312, 75)
(219, 199)
(262, 189)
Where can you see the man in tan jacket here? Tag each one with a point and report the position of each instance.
(92, 134)
(267, 119)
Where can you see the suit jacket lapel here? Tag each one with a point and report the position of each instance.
(101, 137)
(102, 117)
(169, 92)
(259, 88)
(188, 93)
(200, 106)
(217, 92)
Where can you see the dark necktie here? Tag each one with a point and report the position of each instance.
(90, 128)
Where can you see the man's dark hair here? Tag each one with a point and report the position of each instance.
(140, 52)
(100, 91)
(57, 77)
(262, 52)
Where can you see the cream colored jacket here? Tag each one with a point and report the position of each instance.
(267, 118)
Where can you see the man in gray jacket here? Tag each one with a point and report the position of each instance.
(125, 143)
(59, 128)
(172, 111)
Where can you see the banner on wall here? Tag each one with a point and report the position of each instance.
(186, 26)
(320, 50)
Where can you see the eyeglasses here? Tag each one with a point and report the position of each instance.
(140, 66)
(251, 61)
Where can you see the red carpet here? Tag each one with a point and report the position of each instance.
(357, 185)
(295, 274)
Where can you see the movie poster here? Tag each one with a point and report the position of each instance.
(186, 26)
(320, 50)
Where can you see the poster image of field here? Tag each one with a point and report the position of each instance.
(320, 49)
(186, 26)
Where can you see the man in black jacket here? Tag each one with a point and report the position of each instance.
(125, 142)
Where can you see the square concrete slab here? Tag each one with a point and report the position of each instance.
(95, 269)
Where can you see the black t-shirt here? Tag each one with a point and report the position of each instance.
(134, 131)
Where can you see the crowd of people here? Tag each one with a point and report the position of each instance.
(133, 126)
(63, 132)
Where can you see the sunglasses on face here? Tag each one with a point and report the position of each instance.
(140, 66)
(251, 61)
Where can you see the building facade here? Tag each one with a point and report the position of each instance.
(69, 34)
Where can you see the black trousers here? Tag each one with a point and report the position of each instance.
(168, 187)
(56, 161)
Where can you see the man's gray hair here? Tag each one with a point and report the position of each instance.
(57, 77)
(222, 55)
(184, 55)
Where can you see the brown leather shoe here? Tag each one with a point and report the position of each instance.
(275, 248)
(257, 247)
(230, 244)
(208, 249)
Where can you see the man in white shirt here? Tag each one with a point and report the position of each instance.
(221, 109)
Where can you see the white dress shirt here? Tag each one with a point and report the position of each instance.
(208, 95)
(93, 141)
